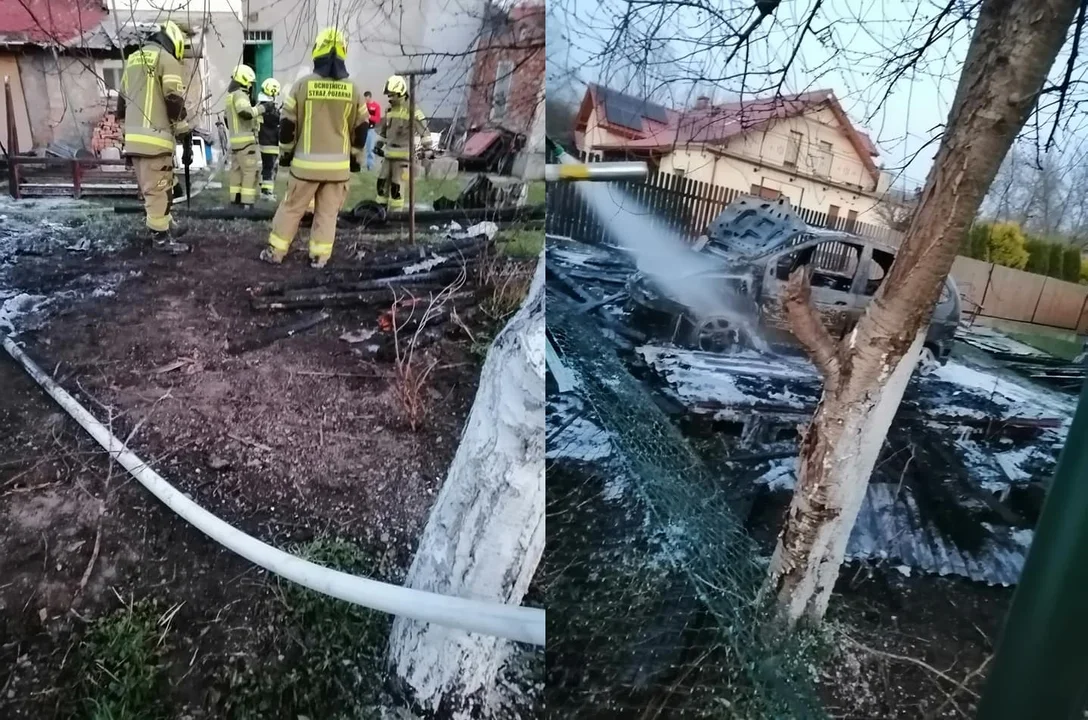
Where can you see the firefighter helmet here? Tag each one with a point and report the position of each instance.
(174, 37)
(396, 87)
(271, 87)
(244, 76)
(328, 41)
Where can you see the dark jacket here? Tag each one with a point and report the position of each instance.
(268, 135)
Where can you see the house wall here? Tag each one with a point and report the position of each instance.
(63, 98)
(770, 146)
(9, 68)
(375, 35)
(734, 172)
(524, 105)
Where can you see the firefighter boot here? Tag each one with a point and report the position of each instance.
(270, 256)
(396, 199)
(381, 198)
(167, 241)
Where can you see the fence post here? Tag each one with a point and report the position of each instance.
(13, 139)
(77, 180)
(1041, 661)
(986, 290)
(1039, 299)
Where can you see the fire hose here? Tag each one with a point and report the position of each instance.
(522, 624)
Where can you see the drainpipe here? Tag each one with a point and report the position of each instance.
(1041, 663)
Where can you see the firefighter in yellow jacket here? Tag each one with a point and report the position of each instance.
(152, 104)
(322, 140)
(392, 146)
(242, 122)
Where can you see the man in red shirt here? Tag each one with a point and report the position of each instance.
(375, 111)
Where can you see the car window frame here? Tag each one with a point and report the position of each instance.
(770, 271)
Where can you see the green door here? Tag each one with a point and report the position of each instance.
(262, 62)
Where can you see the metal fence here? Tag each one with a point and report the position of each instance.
(683, 204)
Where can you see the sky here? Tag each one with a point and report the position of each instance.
(849, 44)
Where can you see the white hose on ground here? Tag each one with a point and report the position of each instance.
(508, 621)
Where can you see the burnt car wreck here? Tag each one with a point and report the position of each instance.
(748, 254)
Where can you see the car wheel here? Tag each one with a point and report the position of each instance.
(719, 335)
(927, 362)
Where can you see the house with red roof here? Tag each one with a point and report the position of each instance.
(803, 147)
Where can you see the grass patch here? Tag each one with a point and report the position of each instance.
(123, 676)
(364, 186)
(537, 193)
(521, 243)
(323, 658)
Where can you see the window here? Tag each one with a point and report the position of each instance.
(500, 94)
(793, 149)
(822, 164)
(878, 270)
(257, 36)
(110, 73)
(851, 220)
(832, 216)
(765, 192)
(834, 264)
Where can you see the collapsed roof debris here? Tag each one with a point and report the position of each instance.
(959, 484)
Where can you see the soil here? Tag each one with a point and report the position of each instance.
(886, 626)
(300, 439)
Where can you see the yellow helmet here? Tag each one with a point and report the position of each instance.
(330, 40)
(396, 87)
(244, 76)
(271, 87)
(175, 37)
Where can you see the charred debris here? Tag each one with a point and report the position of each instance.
(960, 481)
(409, 296)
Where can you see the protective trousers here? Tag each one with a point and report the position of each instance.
(245, 171)
(268, 171)
(392, 179)
(327, 197)
(155, 177)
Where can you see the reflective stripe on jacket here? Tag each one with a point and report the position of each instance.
(150, 76)
(241, 120)
(396, 130)
(329, 118)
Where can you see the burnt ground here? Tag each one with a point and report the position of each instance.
(301, 443)
(888, 628)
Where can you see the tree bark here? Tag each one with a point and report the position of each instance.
(485, 534)
(1012, 49)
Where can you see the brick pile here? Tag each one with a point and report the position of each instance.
(107, 133)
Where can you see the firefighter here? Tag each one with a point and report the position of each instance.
(154, 120)
(322, 139)
(268, 134)
(392, 145)
(242, 118)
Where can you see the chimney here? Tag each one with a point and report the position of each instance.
(702, 102)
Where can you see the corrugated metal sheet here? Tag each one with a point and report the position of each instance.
(891, 527)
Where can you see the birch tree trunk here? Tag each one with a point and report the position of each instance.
(1012, 49)
(485, 534)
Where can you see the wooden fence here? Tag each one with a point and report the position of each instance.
(1008, 294)
(684, 205)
